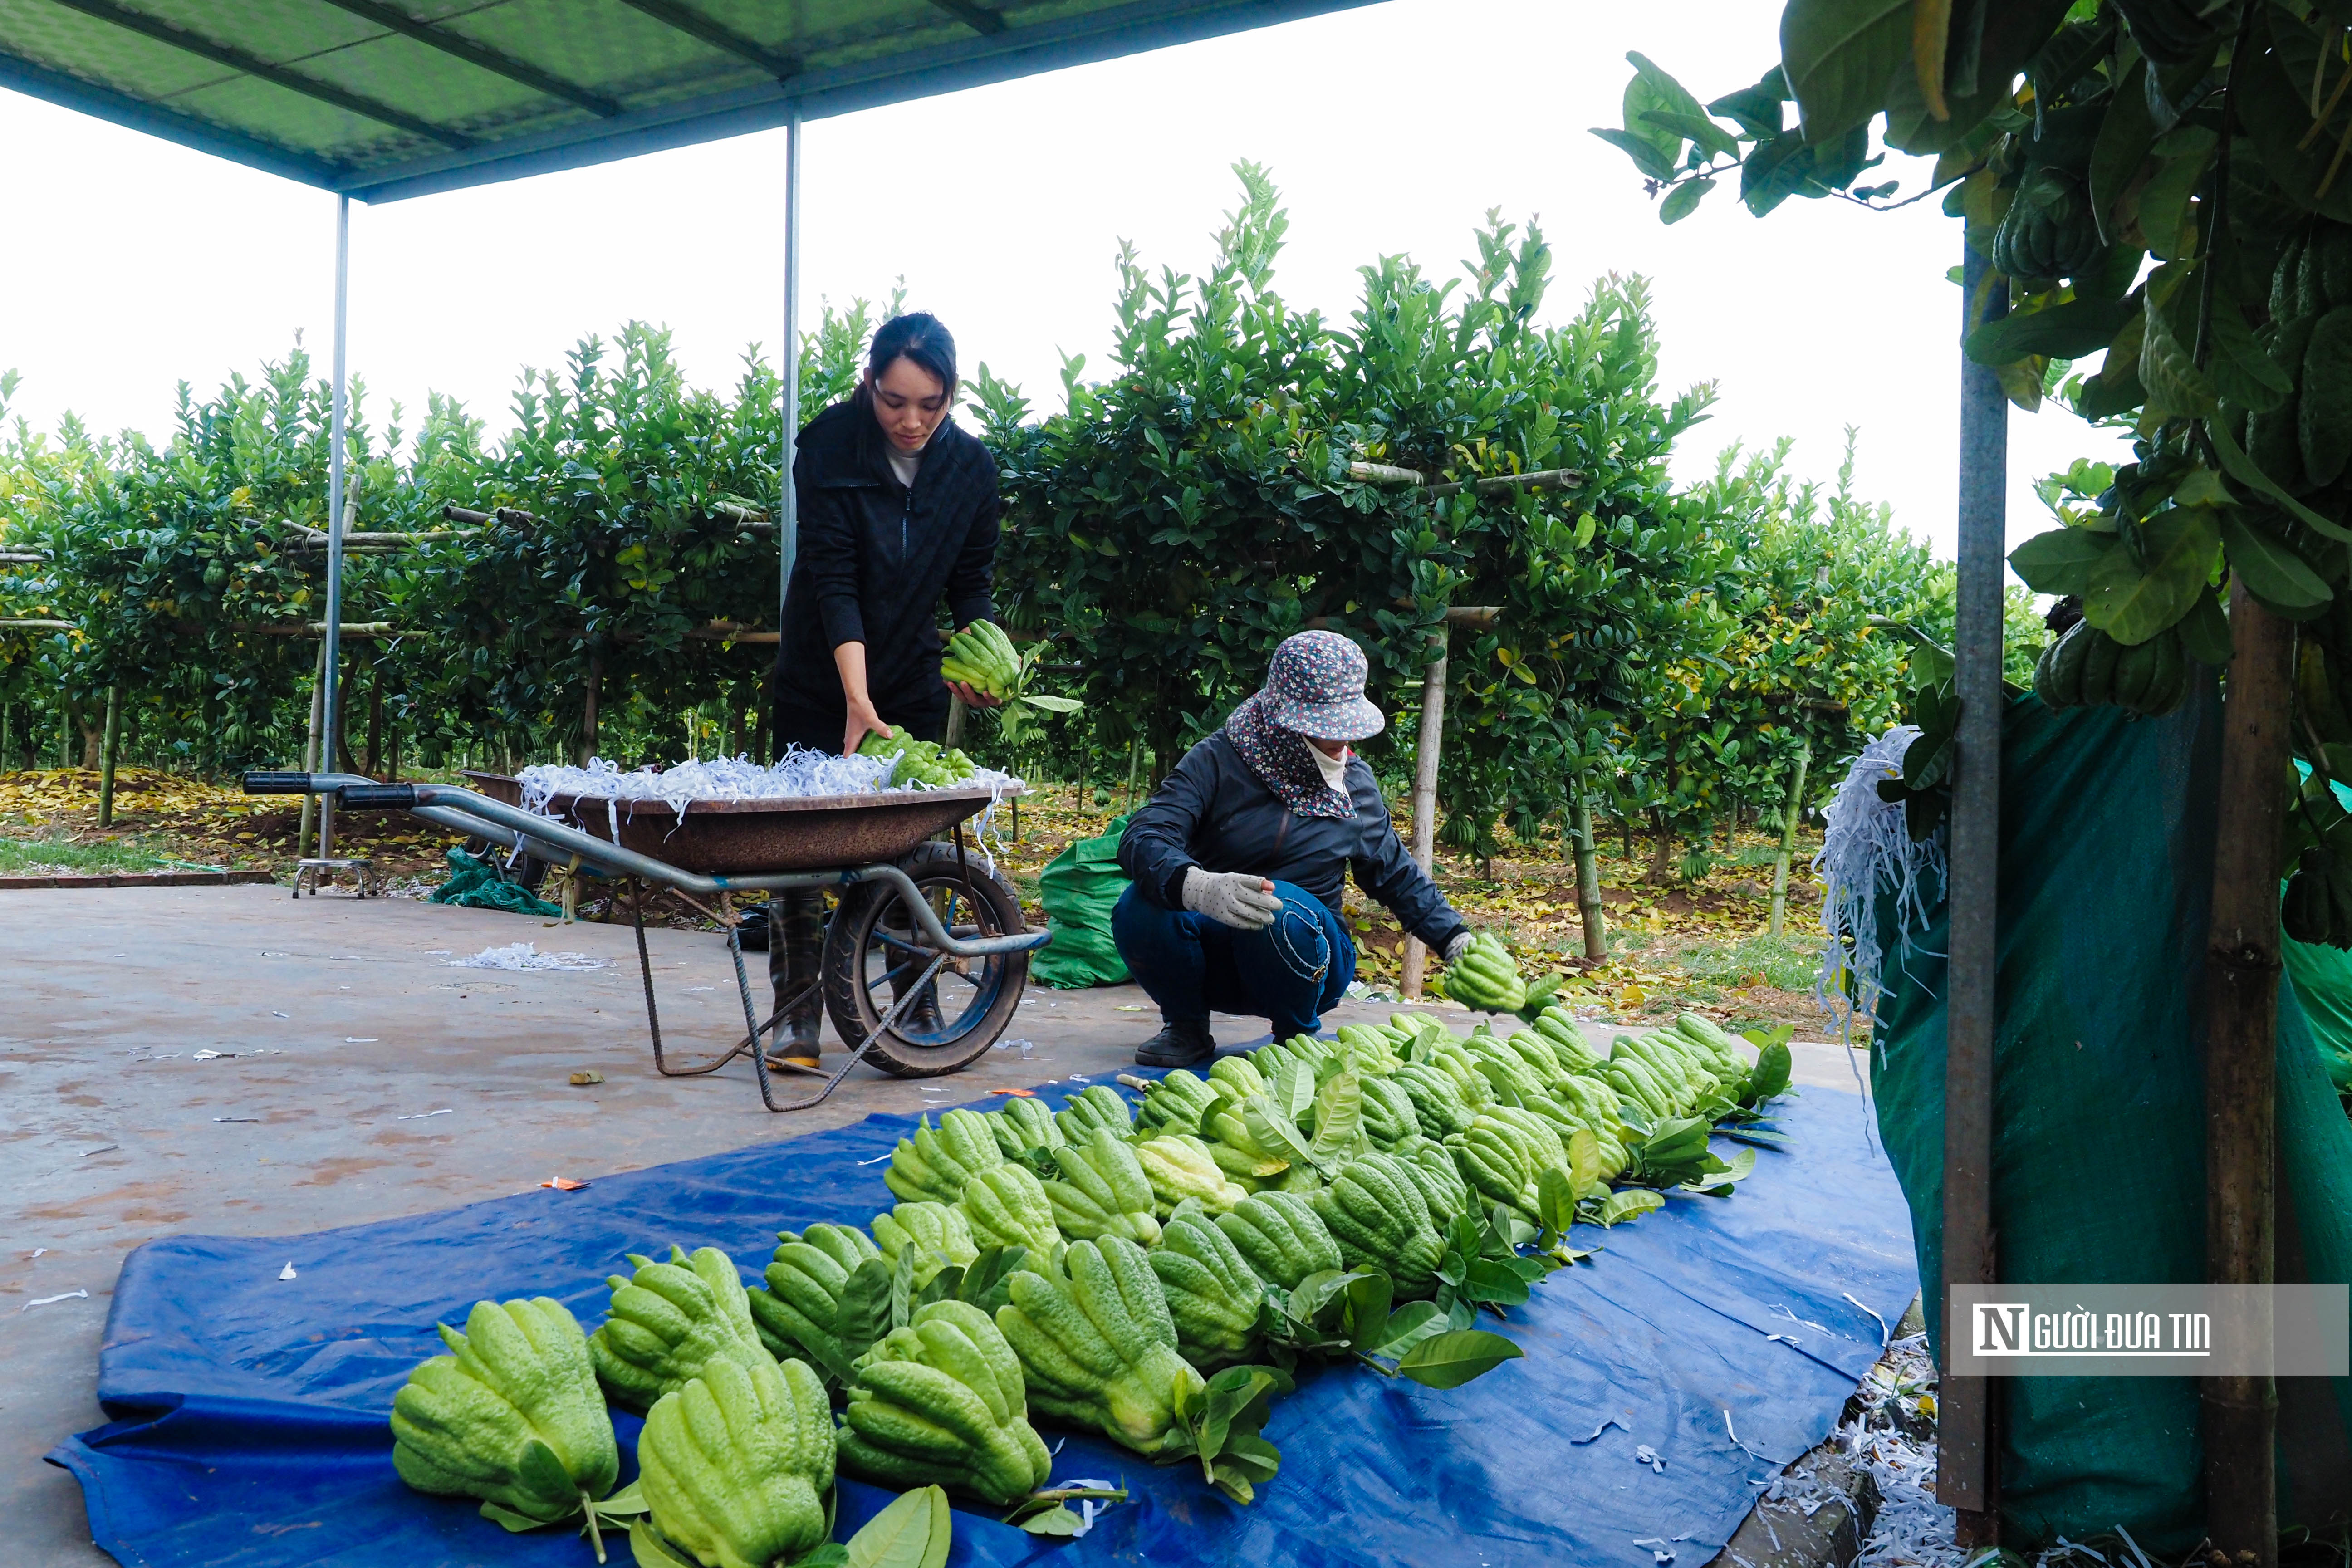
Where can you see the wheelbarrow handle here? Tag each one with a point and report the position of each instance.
(388, 798)
(260, 782)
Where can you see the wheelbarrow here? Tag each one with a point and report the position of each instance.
(916, 916)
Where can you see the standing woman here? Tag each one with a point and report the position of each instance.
(898, 511)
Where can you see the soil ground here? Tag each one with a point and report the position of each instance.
(1697, 941)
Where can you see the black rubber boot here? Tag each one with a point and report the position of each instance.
(795, 953)
(1177, 1044)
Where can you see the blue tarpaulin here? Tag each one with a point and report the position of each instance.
(250, 1410)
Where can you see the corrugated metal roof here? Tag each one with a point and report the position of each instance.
(388, 98)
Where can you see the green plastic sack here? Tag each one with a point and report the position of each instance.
(1081, 884)
(2106, 846)
(2323, 984)
(474, 884)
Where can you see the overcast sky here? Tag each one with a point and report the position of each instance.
(132, 264)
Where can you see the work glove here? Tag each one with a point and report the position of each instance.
(1458, 945)
(1234, 899)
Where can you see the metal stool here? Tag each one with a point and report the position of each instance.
(314, 868)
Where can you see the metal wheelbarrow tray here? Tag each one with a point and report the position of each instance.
(721, 849)
(763, 837)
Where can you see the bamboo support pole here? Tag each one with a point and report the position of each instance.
(1588, 879)
(1424, 799)
(955, 721)
(590, 700)
(1496, 484)
(2242, 977)
(1789, 810)
(310, 757)
(107, 761)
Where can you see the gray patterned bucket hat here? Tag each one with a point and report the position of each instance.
(1315, 686)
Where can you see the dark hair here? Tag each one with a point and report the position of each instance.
(917, 336)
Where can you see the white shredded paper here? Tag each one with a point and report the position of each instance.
(1867, 852)
(799, 774)
(525, 956)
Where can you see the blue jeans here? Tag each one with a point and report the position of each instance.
(1290, 974)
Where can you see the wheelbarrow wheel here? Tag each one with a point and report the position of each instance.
(873, 951)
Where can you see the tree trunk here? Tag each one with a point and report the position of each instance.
(376, 725)
(2242, 970)
(1588, 879)
(1791, 809)
(1662, 849)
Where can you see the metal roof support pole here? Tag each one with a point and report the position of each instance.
(1969, 1455)
(330, 651)
(788, 521)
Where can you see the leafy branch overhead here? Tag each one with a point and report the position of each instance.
(2159, 183)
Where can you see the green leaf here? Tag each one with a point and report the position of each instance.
(1369, 1296)
(902, 1290)
(1251, 1456)
(2205, 631)
(2061, 561)
(1619, 1208)
(1294, 1089)
(2240, 468)
(1711, 138)
(1407, 1327)
(1490, 1279)
(1654, 92)
(1756, 109)
(1452, 1359)
(1644, 153)
(1840, 56)
(1053, 704)
(862, 1313)
(1057, 1520)
(1556, 1191)
(1339, 1118)
(2132, 604)
(1771, 1074)
(2164, 203)
(2175, 387)
(2271, 568)
(986, 1279)
(2072, 331)
(1680, 202)
(652, 1550)
(913, 1531)
(1316, 1291)
(507, 1519)
(941, 1287)
(1583, 1158)
(2243, 370)
(2125, 133)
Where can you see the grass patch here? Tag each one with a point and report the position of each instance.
(18, 855)
(1781, 962)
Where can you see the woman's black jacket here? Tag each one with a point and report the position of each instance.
(1215, 814)
(876, 558)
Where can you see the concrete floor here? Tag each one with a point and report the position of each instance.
(361, 1076)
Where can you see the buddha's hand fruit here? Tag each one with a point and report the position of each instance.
(512, 1415)
(735, 1465)
(669, 1320)
(1097, 1347)
(942, 1401)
